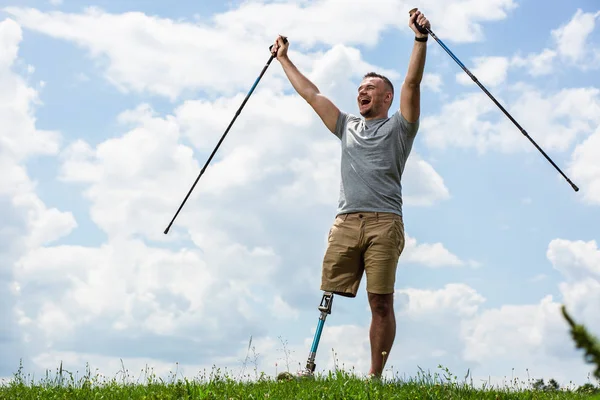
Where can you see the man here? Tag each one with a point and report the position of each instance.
(368, 232)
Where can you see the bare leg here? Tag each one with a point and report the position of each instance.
(383, 330)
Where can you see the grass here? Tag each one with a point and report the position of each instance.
(337, 384)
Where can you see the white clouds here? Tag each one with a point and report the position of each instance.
(571, 46)
(461, 20)
(458, 299)
(126, 288)
(422, 185)
(554, 121)
(144, 166)
(204, 122)
(571, 37)
(283, 310)
(575, 260)
(585, 168)
(579, 262)
(122, 280)
(152, 54)
(450, 324)
(157, 55)
(465, 115)
(65, 289)
(432, 81)
(17, 101)
(167, 58)
(26, 221)
(431, 255)
(581, 298)
(310, 23)
(11, 35)
(490, 71)
(345, 346)
(524, 333)
(537, 335)
(54, 321)
(316, 177)
(536, 64)
(20, 140)
(45, 225)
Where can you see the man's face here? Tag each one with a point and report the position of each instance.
(371, 97)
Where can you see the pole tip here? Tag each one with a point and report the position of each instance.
(167, 230)
(575, 187)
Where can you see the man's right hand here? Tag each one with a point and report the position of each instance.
(280, 48)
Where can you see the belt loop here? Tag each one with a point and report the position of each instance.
(377, 216)
(345, 216)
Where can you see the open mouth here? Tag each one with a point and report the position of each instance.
(364, 102)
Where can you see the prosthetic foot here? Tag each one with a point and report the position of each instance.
(325, 308)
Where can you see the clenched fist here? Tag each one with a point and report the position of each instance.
(280, 47)
(420, 18)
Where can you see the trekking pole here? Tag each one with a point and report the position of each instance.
(223, 137)
(427, 30)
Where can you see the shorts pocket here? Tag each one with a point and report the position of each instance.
(334, 227)
(400, 238)
(396, 234)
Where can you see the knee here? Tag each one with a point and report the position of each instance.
(381, 305)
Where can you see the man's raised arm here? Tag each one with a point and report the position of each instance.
(410, 96)
(326, 110)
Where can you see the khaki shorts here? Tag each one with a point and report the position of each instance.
(363, 242)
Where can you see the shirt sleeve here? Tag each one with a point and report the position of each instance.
(340, 125)
(408, 128)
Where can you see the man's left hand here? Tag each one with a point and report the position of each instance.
(419, 17)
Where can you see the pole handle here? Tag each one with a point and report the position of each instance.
(419, 27)
(284, 41)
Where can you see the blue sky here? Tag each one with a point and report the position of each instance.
(110, 109)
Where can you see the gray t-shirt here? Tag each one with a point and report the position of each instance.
(374, 154)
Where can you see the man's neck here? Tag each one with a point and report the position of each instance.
(382, 116)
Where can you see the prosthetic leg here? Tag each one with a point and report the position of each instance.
(325, 308)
